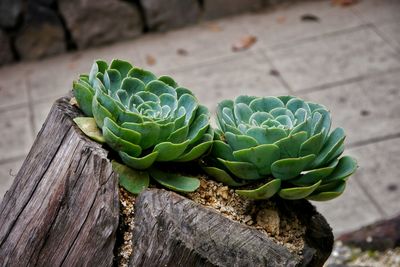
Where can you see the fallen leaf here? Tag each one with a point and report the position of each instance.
(73, 60)
(365, 112)
(392, 187)
(213, 27)
(281, 19)
(309, 18)
(182, 52)
(76, 56)
(73, 102)
(344, 3)
(150, 60)
(71, 65)
(274, 72)
(89, 127)
(244, 43)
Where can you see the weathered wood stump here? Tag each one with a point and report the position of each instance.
(174, 231)
(63, 210)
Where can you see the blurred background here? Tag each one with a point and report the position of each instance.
(344, 54)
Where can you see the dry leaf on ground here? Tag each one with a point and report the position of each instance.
(213, 27)
(274, 72)
(150, 60)
(309, 18)
(244, 43)
(281, 19)
(73, 102)
(344, 2)
(182, 52)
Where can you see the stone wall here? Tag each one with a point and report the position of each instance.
(34, 29)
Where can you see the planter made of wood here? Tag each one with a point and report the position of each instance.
(63, 209)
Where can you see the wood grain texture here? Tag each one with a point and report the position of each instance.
(171, 230)
(62, 209)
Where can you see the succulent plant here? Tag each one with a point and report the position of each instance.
(279, 145)
(143, 118)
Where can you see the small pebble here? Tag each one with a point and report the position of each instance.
(227, 202)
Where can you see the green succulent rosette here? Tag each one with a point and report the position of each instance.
(279, 145)
(143, 118)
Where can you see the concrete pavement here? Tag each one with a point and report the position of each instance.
(349, 60)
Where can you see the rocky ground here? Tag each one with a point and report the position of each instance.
(374, 245)
(346, 256)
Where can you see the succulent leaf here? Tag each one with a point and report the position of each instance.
(121, 66)
(222, 150)
(263, 192)
(238, 142)
(290, 146)
(143, 118)
(315, 175)
(294, 193)
(196, 151)
(243, 170)
(143, 75)
(325, 194)
(288, 168)
(132, 180)
(261, 156)
(222, 176)
(175, 182)
(85, 96)
(281, 138)
(335, 140)
(140, 163)
(346, 167)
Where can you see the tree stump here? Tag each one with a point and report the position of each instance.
(171, 230)
(63, 210)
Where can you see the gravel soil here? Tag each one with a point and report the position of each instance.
(284, 228)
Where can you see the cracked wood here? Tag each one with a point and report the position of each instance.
(62, 209)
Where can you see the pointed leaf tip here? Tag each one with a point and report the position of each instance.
(175, 181)
(263, 192)
(132, 180)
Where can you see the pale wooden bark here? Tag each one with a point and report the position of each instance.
(62, 209)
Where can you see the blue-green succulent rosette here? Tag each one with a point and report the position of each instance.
(144, 118)
(279, 145)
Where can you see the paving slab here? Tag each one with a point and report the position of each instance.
(334, 58)
(52, 78)
(283, 26)
(379, 173)
(13, 90)
(391, 32)
(350, 211)
(8, 171)
(189, 46)
(368, 109)
(40, 112)
(16, 133)
(245, 73)
(377, 11)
